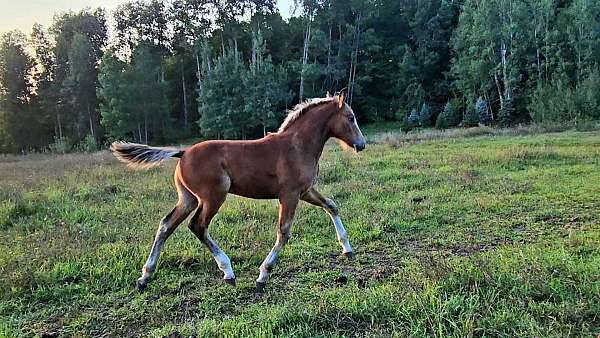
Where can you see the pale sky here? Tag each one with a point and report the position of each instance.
(22, 14)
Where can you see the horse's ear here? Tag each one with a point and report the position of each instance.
(341, 99)
(328, 94)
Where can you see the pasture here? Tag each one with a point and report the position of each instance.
(480, 236)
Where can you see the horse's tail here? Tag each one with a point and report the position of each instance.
(141, 156)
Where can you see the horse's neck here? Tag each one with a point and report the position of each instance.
(310, 135)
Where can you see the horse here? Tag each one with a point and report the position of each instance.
(282, 165)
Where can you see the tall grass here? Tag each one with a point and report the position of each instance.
(455, 236)
(399, 138)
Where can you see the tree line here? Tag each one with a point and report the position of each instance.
(229, 68)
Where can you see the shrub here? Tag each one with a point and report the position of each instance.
(404, 124)
(557, 102)
(61, 145)
(588, 98)
(88, 144)
(551, 103)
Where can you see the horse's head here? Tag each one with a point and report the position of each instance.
(343, 125)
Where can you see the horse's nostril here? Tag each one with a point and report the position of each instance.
(360, 146)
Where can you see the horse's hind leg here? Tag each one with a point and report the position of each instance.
(186, 204)
(315, 198)
(199, 226)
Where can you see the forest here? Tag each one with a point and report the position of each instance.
(162, 72)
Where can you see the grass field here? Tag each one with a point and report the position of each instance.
(481, 236)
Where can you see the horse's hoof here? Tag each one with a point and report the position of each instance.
(230, 281)
(260, 287)
(140, 286)
(349, 254)
(341, 280)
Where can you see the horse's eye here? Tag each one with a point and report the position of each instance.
(351, 118)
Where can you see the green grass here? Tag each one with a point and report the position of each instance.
(483, 236)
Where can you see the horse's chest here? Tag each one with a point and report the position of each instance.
(305, 177)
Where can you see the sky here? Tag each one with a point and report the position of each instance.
(22, 14)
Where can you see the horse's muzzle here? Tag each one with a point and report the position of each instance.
(359, 146)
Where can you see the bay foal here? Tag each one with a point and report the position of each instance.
(282, 165)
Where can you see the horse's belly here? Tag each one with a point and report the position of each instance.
(256, 195)
(253, 191)
(254, 184)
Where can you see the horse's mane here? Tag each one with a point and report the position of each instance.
(300, 109)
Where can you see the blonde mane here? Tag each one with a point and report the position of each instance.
(300, 109)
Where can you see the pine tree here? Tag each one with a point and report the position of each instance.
(481, 109)
(453, 115)
(447, 118)
(506, 115)
(264, 88)
(441, 122)
(413, 118)
(425, 116)
(221, 98)
(471, 118)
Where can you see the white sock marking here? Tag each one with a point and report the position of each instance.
(270, 260)
(224, 265)
(263, 277)
(342, 235)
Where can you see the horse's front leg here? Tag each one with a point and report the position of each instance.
(313, 197)
(287, 208)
